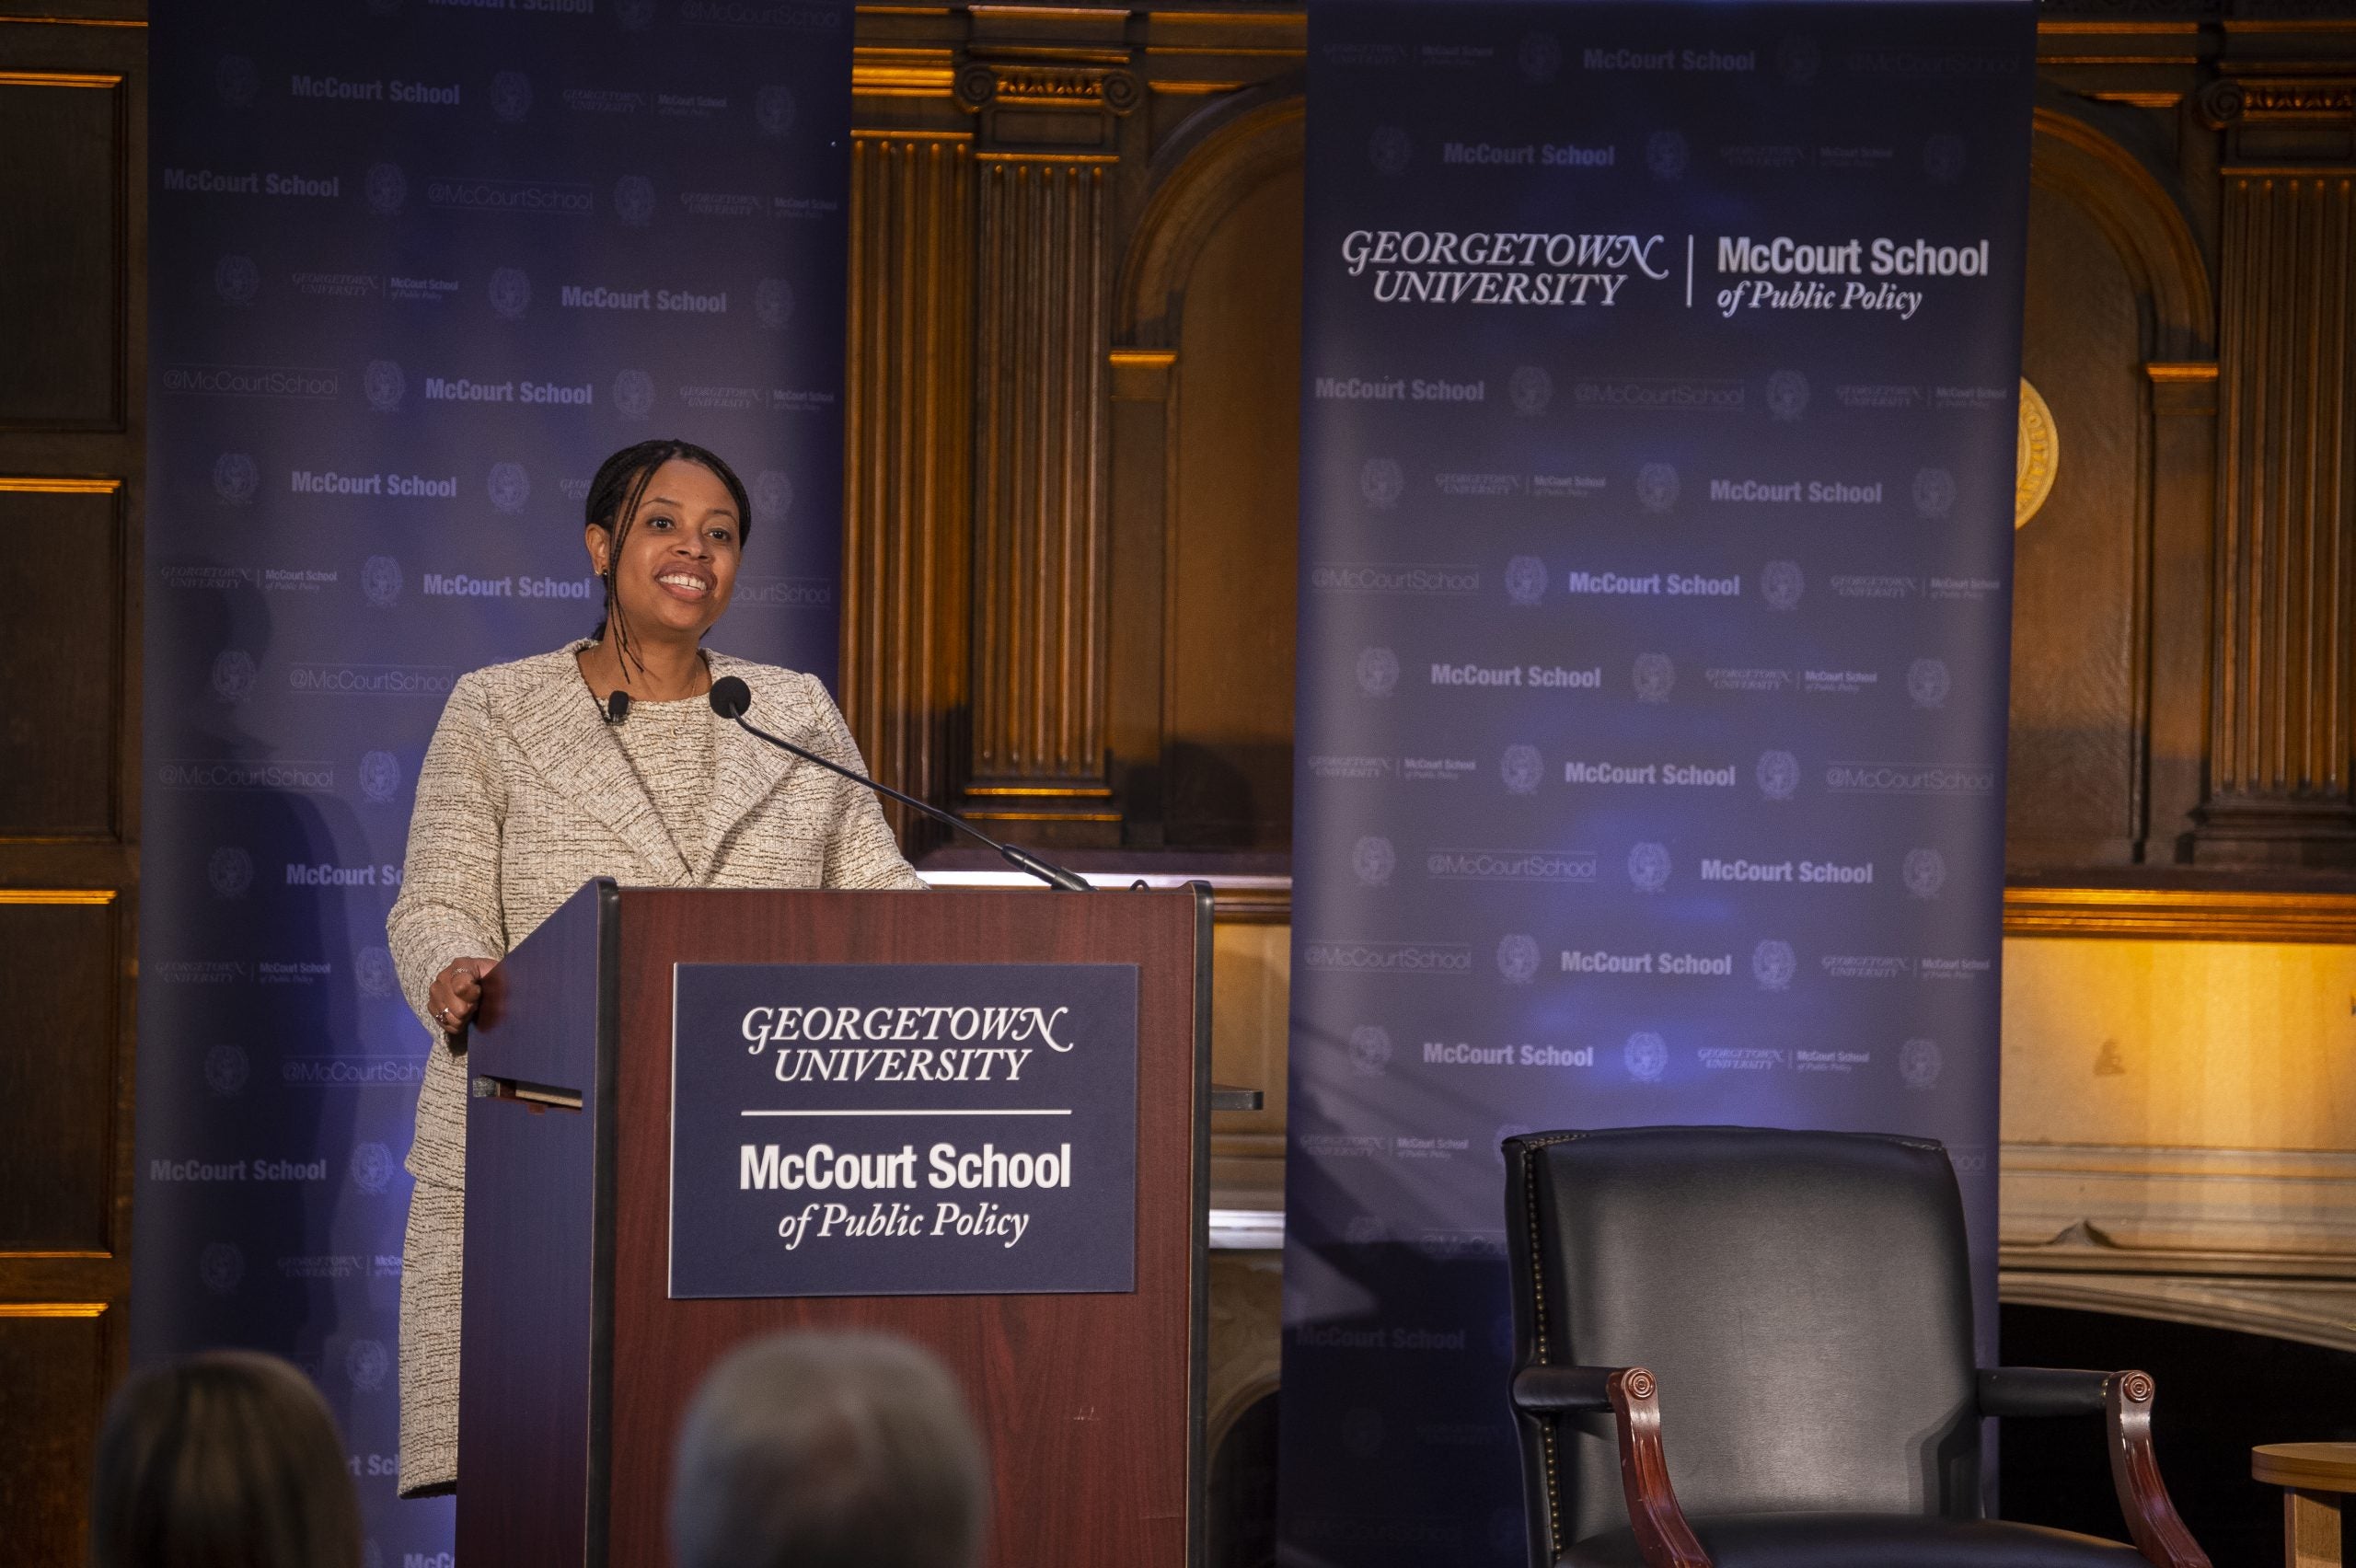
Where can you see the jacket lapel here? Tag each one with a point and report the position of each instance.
(747, 771)
(567, 739)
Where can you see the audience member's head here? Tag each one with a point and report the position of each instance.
(226, 1461)
(828, 1451)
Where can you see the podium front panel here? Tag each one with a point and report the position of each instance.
(1089, 1402)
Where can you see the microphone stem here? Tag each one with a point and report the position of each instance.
(1022, 859)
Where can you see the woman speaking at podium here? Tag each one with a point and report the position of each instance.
(603, 758)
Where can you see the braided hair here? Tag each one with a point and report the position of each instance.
(614, 497)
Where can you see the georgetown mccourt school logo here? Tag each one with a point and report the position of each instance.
(384, 383)
(1772, 964)
(220, 1267)
(371, 1167)
(511, 293)
(237, 79)
(1373, 859)
(380, 776)
(1933, 491)
(1540, 56)
(1391, 150)
(634, 199)
(1517, 958)
(1647, 1056)
(773, 303)
(380, 581)
(633, 394)
(237, 280)
(1926, 682)
(225, 1070)
(1381, 481)
(509, 486)
(1918, 1063)
(1530, 389)
(1378, 672)
(1648, 867)
(1369, 1048)
(772, 497)
(511, 96)
(1778, 774)
(773, 111)
(366, 1363)
(1781, 583)
(232, 675)
(373, 972)
(1787, 394)
(386, 188)
(235, 476)
(1521, 769)
(1924, 872)
(1525, 580)
(1666, 153)
(1656, 486)
(1655, 677)
(231, 872)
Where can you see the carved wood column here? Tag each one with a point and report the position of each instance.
(908, 577)
(2282, 723)
(1046, 155)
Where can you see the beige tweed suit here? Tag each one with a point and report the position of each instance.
(526, 793)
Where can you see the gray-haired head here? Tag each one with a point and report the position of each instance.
(811, 1450)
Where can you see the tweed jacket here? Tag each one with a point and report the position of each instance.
(525, 793)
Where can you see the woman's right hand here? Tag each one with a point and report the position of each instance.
(455, 991)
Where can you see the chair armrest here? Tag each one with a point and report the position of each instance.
(1631, 1394)
(2124, 1401)
(1563, 1391)
(2040, 1390)
(2152, 1518)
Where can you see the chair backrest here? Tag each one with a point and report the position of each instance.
(1805, 1299)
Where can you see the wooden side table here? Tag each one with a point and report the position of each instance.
(2314, 1477)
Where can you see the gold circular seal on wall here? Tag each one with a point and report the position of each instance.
(2037, 456)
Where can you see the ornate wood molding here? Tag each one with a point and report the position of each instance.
(2184, 915)
(2145, 221)
(2236, 100)
(1219, 160)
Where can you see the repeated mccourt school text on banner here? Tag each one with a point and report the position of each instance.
(416, 271)
(1657, 447)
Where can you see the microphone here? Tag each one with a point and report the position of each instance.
(730, 699)
(617, 706)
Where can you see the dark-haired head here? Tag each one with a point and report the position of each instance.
(819, 1450)
(616, 499)
(223, 1461)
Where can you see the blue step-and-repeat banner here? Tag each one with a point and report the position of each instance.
(417, 267)
(1658, 457)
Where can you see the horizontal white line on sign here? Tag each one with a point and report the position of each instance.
(904, 1113)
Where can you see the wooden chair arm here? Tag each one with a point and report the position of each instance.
(1630, 1394)
(1662, 1534)
(2152, 1517)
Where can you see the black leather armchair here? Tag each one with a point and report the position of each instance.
(1802, 1302)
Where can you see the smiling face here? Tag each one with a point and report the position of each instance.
(677, 563)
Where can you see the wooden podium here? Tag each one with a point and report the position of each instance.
(577, 1365)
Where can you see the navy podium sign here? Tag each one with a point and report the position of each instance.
(937, 1129)
(1660, 364)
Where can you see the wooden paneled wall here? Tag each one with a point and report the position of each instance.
(1118, 671)
(72, 124)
